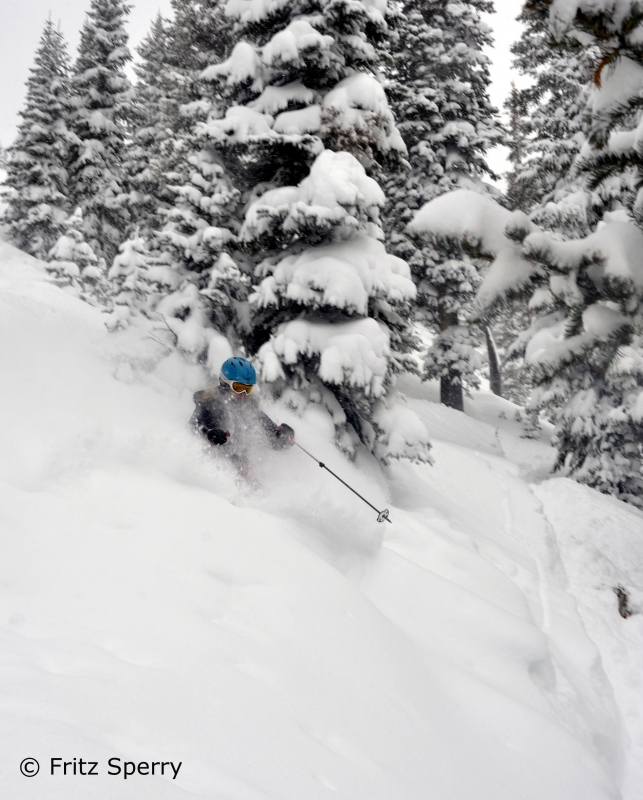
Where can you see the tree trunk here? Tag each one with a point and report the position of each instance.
(450, 392)
(495, 377)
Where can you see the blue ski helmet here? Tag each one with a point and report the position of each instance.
(239, 369)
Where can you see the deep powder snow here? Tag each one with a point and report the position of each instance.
(281, 644)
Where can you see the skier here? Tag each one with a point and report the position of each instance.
(228, 417)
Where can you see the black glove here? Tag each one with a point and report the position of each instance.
(285, 435)
(217, 436)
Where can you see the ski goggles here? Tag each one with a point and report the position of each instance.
(237, 387)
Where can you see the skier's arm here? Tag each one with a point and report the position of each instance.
(280, 436)
(208, 421)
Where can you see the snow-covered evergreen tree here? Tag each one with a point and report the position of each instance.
(199, 34)
(199, 232)
(585, 357)
(319, 304)
(609, 160)
(102, 96)
(169, 99)
(440, 95)
(36, 190)
(292, 86)
(513, 317)
(75, 266)
(548, 127)
(517, 144)
(127, 277)
(141, 280)
(147, 285)
(509, 321)
(551, 110)
(150, 121)
(453, 356)
(554, 122)
(330, 312)
(583, 349)
(604, 383)
(176, 265)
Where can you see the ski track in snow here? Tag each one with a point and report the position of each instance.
(282, 644)
(601, 541)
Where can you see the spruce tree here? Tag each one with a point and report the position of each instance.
(608, 168)
(199, 34)
(517, 144)
(199, 230)
(439, 91)
(552, 121)
(75, 266)
(176, 264)
(549, 125)
(301, 127)
(102, 96)
(138, 279)
(150, 120)
(600, 429)
(36, 190)
(170, 98)
(199, 225)
(585, 357)
(583, 349)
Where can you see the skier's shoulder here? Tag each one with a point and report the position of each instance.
(206, 397)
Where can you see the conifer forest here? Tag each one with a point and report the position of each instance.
(306, 183)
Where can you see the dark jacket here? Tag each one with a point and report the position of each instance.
(241, 418)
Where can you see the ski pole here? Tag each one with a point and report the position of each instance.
(381, 515)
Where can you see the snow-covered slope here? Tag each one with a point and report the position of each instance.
(281, 644)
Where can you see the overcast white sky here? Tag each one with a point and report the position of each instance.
(23, 21)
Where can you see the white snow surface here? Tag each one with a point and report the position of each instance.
(619, 82)
(241, 123)
(281, 643)
(253, 10)
(338, 179)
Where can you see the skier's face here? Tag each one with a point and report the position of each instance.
(236, 389)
